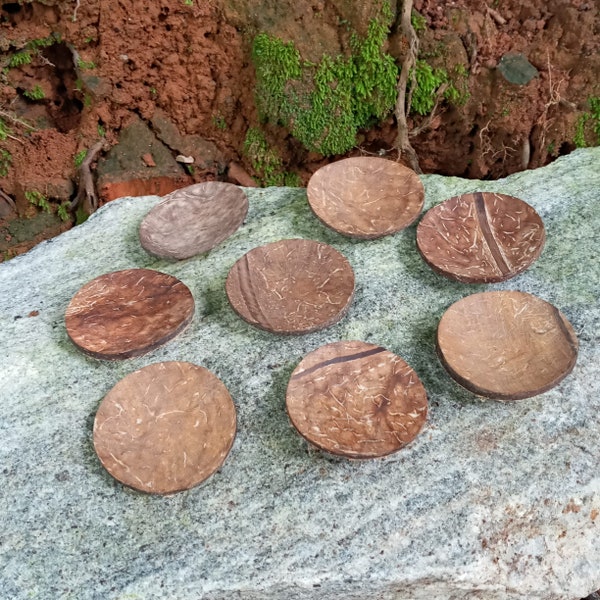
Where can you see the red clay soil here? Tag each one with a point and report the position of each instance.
(117, 62)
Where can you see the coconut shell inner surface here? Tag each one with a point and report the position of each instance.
(291, 286)
(193, 220)
(482, 237)
(506, 344)
(356, 400)
(128, 313)
(366, 197)
(165, 428)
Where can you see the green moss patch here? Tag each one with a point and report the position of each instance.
(324, 105)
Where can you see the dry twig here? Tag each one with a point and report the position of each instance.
(500, 20)
(15, 119)
(45, 61)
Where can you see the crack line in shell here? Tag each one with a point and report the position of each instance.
(339, 359)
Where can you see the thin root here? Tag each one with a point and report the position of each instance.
(86, 194)
(8, 199)
(74, 17)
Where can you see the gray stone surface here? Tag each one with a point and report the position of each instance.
(491, 501)
(517, 69)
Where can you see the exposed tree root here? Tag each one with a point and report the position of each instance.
(77, 6)
(8, 200)
(86, 193)
(405, 149)
(554, 99)
(426, 124)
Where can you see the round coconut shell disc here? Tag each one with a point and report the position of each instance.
(128, 313)
(506, 345)
(356, 400)
(366, 197)
(193, 219)
(165, 428)
(481, 238)
(291, 286)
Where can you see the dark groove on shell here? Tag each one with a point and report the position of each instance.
(488, 235)
(339, 359)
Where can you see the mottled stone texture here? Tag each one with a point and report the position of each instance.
(491, 501)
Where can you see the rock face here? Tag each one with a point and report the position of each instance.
(139, 164)
(491, 501)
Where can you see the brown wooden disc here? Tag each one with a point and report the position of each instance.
(482, 237)
(128, 313)
(356, 400)
(165, 428)
(193, 219)
(291, 286)
(506, 345)
(366, 197)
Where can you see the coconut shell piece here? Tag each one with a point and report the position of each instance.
(291, 286)
(193, 220)
(366, 197)
(165, 428)
(506, 345)
(356, 400)
(128, 313)
(482, 237)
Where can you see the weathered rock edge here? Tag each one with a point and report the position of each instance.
(491, 501)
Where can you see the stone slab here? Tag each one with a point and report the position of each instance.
(124, 171)
(491, 501)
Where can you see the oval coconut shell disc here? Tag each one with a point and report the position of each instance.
(128, 313)
(366, 197)
(356, 400)
(193, 220)
(165, 428)
(291, 286)
(506, 345)
(481, 238)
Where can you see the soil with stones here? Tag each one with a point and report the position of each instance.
(180, 73)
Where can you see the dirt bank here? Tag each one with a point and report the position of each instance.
(77, 73)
